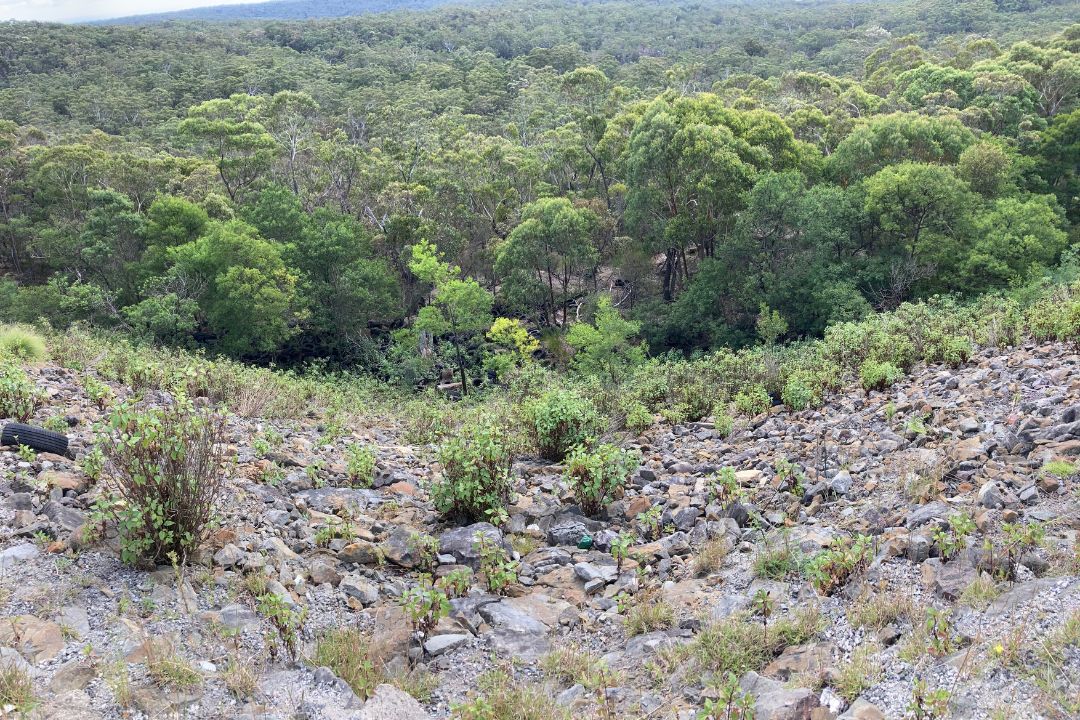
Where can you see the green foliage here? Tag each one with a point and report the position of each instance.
(879, 375)
(830, 569)
(800, 392)
(498, 569)
(167, 467)
(22, 344)
(476, 483)
(348, 652)
(19, 397)
(455, 583)
(559, 420)
(753, 401)
(606, 348)
(425, 605)
(731, 702)
(360, 465)
(597, 476)
(285, 619)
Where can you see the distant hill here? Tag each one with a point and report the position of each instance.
(282, 10)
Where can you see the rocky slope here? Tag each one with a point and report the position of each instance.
(894, 466)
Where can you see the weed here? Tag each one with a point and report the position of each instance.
(360, 465)
(648, 613)
(709, 558)
(499, 570)
(858, 674)
(16, 689)
(347, 651)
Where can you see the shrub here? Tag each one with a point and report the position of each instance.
(167, 466)
(878, 375)
(22, 344)
(597, 476)
(425, 605)
(830, 569)
(496, 565)
(753, 401)
(638, 417)
(558, 421)
(360, 465)
(723, 424)
(476, 482)
(800, 393)
(19, 398)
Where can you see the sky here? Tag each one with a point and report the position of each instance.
(75, 10)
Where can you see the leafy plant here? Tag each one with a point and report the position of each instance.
(731, 704)
(455, 583)
(425, 605)
(649, 520)
(724, 487)
(597, 476)
(830, 569)
(927, 704)
(285, 619)
(476, 482)
(360, 465)
(499, 570)
(426, 549)
(167, 464)
(560, 420)
(620, 548)
(939, 631)
(19, 398)
(753, 401)
(878, 375)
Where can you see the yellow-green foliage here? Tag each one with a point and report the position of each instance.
(22, 344)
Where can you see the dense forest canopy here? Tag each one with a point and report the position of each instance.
(695, 174)
(283, 10)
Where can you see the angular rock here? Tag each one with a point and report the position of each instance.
(440, 644)
(37, 640)
(389, 703)
(16, 554)
(461, 542)
(773, 701)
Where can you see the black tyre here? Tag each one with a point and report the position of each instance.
(39, 439)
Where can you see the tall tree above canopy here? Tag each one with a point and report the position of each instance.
(228, 132)
(689, 163)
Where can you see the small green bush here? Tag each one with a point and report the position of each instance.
(22, 344)
(753, 401)
(167, 463)
(476, 483)
(558, 421)
(638, 417)
(19, 398)
(800, 392)
(723, 424)
(878, 375)
(598, 476)
(830, 569)
(360, 465)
